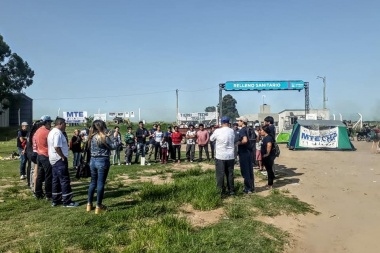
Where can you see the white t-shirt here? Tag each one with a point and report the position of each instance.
(193, 135)
(224, 138)
(56, 139)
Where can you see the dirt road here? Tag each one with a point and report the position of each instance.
(344, 187)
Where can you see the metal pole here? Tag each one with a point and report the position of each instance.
(139, 114)
(176, 92)
(221, 87)
(324, 92)
(19, 116)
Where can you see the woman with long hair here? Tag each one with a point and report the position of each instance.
(267, 153)
(100, 144)
(116, 152)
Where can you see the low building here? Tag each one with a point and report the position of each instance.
(20, 110)
(287, 117)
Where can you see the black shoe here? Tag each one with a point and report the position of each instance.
(54, 204)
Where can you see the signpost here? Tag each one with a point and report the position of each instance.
(75, 117)
(263, 85)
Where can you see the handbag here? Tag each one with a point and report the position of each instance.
(83, 170)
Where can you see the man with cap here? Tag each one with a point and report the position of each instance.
(224, 138)
(44, 172)
(21, 145)
(245, 156)
(58, 156)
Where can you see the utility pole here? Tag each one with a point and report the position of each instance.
(324, 91)
(176, 92)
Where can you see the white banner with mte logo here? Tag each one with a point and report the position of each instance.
(75, 117)
(319, 138)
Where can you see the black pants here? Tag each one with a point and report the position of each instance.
(268, 164)
(205, 147)
(157, 150)
(225, 168)
(44, 174)
(128, 153)
(246, 169)
(253, 152)
(212, 146)
(61, 183)
(177, 149)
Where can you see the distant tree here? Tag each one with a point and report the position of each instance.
(89, 121)
(15, 74)
(229, 107)
(210, 109)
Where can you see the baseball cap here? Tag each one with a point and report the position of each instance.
(24, 123)
(244, 119)
(46, 118)
(225, 120)
(257, 124)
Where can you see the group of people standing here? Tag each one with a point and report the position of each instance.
(46, 149)
(44, 152)
(241, 141)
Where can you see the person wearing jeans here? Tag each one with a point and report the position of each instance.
(141, 134)
(191, 137)
(101, 146)
(76, 142)
(21, 144)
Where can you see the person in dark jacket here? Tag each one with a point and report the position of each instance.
(267, 153)
(76, 142)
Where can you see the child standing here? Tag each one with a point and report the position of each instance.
(164, 150)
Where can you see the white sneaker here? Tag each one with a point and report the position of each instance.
(119, 164)
(22, 177)
(147, 164)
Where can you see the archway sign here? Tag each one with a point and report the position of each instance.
(264, 86)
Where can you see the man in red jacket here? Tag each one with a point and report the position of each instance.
(177, 140)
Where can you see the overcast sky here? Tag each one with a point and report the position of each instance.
(117, 56)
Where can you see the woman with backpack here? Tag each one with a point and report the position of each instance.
(267, 153)
(101, 145)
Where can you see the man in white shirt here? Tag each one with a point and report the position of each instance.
(224, 138)
(191, 136)
(58, 150)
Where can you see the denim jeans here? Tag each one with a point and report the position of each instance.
(99, 171)
(190, 152)
(77, 156)
(22, 162)
(140, 150)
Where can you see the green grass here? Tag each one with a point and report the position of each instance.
(142, 217)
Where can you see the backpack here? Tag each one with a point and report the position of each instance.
(251, 134)
(84, 170)
(276, 149)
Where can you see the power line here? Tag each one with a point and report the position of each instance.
(117, 96)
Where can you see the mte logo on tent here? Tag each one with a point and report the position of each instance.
(319, 138)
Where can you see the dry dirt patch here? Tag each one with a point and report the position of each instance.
(199, 218)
